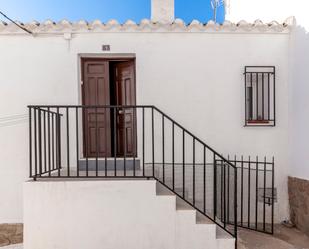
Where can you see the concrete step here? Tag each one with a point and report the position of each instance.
(223, 239)
(196, 229)
(161, 190)
(182, 205)
(202, 219)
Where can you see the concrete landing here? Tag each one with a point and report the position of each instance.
(109, 163)
(284, 238)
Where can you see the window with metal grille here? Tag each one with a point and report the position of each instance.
(260, 96)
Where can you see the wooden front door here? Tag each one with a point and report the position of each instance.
(124, 74)
(96, 121)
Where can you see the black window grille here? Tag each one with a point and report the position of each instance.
(260, 96)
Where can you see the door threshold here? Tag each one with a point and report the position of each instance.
(108, 158)
(92, 164)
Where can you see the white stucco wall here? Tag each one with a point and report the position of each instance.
(299, 50)
(299, 89)
(105, 214)
(196, 78)
(111, 214)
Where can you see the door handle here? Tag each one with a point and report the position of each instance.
(120, 111)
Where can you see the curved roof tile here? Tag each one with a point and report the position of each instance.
(147, 25)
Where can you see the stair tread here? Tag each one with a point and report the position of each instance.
(221, 234)
(162, 190)
(202, 219)
(182, 205)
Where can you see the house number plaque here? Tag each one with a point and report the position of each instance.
(106, 47)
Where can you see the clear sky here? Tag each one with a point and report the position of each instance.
(73, 10)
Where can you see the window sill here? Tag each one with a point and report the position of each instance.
(258, 122)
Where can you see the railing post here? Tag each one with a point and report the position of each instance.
(40, 141)
(249, 190)
(221, 191)
(105, 132)
(183, 164)
(115, 140)
(143, 141)
(153, 143)
(97, 142)
(68, 140)
(235, 205)
(163, 149)
(53, 141)
(30, 142)
(274, 95)
(215, 187)
(58, 135)
(193, 170)
(44, 139)
(173, 155)
(134, 140)
(86, 140)
(272, 194)
(48, 127)
(224, 194)
(35, 145)
(77, 141)
(264, 196)
(60, 154)
(256, 191)
(204, 179)
(125, 144)
(242, 191)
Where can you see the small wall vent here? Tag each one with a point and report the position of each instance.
(270, 197)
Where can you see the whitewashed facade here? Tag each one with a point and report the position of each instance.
(192, 72)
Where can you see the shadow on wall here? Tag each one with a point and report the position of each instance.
(299, 103)
(299, 128)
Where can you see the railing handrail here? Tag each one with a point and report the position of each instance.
(91, 106)
(195, 137)
(44, 110)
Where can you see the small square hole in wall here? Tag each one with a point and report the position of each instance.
(269, 199)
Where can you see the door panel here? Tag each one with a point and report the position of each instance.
(96, 122)
(126, 118)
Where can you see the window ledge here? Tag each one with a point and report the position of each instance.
(258, 122)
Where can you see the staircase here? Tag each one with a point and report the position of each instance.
(186, 172)
(193, 229)
(114, 214)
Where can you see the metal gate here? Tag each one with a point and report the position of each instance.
(256, 194)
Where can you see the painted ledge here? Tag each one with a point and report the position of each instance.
(146, 25)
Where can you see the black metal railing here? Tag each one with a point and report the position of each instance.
(136, 142)
(256, 192)
(44, 136)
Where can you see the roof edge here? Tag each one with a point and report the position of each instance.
(146, 25)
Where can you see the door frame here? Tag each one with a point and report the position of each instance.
(105, 57)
